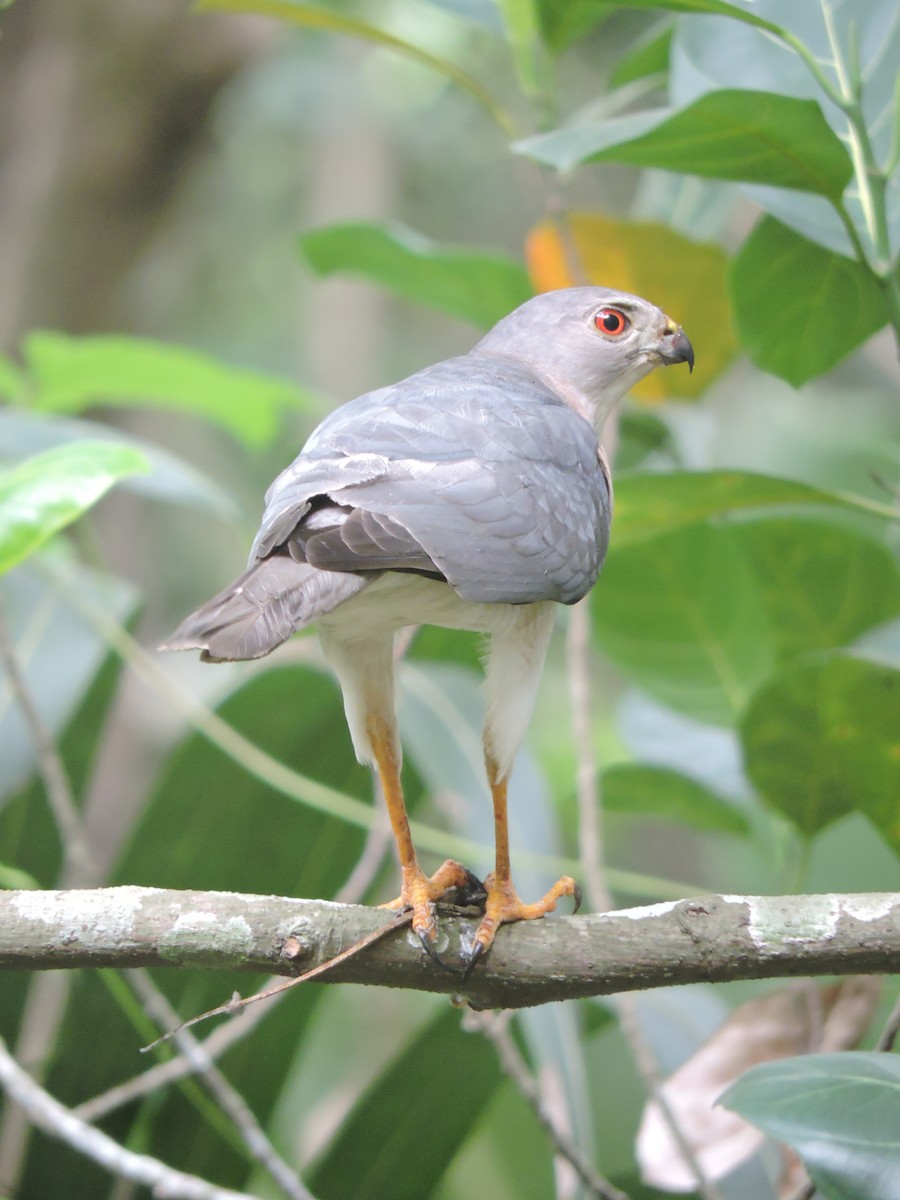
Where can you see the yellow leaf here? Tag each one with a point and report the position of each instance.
(685, 278)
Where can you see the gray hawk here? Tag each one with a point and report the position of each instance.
(472, 495)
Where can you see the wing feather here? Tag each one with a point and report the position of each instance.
(471, 470)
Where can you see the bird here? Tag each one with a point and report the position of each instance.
(474, 495)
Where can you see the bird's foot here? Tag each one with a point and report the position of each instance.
(419, 892)
(503, 905)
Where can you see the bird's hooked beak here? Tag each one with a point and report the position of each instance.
(675, 346)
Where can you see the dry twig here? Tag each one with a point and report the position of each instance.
(60, 1123)
(495, 1027)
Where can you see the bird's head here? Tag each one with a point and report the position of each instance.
(591, 344)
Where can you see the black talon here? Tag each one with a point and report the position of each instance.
(576, 896)
(474, 955)
(429, 949)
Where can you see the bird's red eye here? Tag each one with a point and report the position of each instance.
(611, 321)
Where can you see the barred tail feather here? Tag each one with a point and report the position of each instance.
(259, 611)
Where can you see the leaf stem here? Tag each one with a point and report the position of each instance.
(871, 178)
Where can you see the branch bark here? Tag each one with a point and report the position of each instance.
(713, 938)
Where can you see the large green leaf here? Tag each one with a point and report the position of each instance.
(750, 136)
(45, 493)
(648, 504)
(822, 739)
(840, 1112)
(798, 307)
(401, 1136)
(699, 614)
(69, 374)
(681, 615)
(822, 585)
(652, 791)
(470, 284)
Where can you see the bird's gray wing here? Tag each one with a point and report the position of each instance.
(472, 470)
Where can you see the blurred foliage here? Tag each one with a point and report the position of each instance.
(477, 287)
(746, 630)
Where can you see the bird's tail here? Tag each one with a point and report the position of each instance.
(263, 608)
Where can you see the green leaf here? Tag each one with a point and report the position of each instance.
(840, 1112)
(564, 24)
(681, 616)
(662, 792)
(799, 308)
(401, 1136)
(69, 374)
(821, 584)
(311, 17)
(755, 137)
(648, 56)
(469, 284)
(648, 504)
(45, 493)
(822, 739)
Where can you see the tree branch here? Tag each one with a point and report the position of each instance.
(713, 938)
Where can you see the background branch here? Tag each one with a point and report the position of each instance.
(713, 938)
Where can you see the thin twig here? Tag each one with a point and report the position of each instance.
(49, 764)
(495, 1027)
(59, 1122)
(226, 1096)
(47, 997)
(166, 1073)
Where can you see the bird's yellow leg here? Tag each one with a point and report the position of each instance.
(503, 903)
(418, 891)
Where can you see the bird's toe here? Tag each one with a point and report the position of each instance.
(503, 906)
